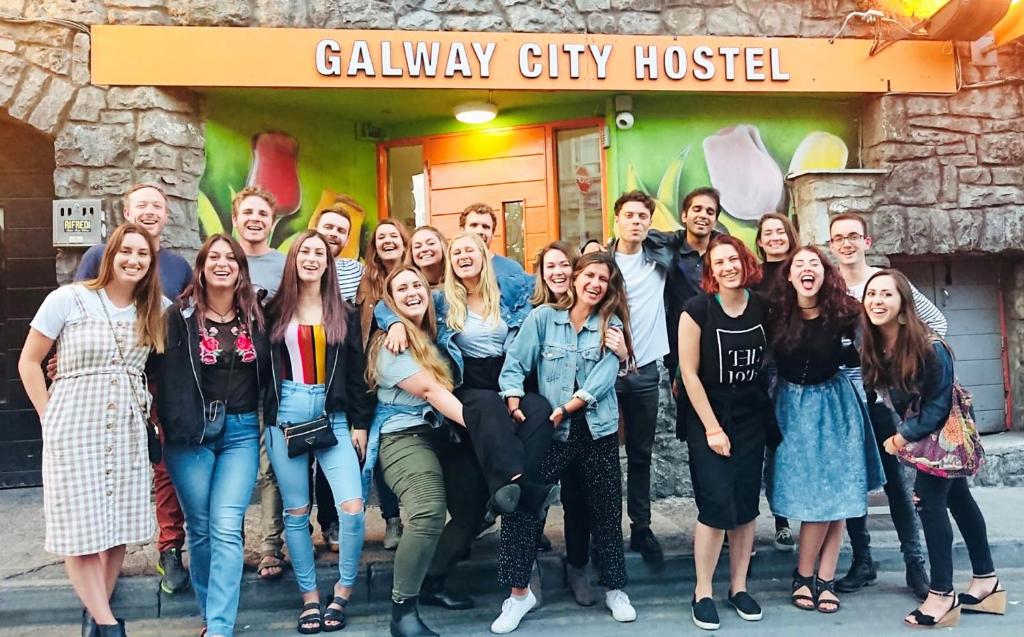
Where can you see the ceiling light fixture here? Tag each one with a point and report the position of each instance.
(476, 112)
(965, 20)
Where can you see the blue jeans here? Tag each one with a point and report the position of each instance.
(214, 482)
(340, 465)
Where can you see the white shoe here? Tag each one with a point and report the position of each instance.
(618, 602)
(512, 612)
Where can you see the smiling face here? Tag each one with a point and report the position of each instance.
(426, 249)
(633, 221)
(410, 295)
(882, 301)
(557, 271)
(807, 273)
(848, 241)
(774, 240)
(311, 260)
(390, 246)
(220, 269)
(480, 224)
(148, 208)
(335, 229)
(591, 284)
(699, 218)
(466, 259)
(726, 266)
(253, 220)
(133, 259)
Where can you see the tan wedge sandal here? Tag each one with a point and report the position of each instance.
(994, 603)
(950, 619)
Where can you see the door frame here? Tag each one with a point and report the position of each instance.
(551, 171)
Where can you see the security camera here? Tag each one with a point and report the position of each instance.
(623, 112)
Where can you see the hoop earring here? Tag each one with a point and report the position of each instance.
(901, 319)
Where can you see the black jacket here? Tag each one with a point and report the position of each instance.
(346, 384)
(179, 400)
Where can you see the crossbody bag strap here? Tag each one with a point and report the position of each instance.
(124, 363)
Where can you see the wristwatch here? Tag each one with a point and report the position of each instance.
(565, 412)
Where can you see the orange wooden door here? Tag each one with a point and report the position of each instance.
(502, 168)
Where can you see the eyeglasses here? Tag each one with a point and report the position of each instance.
(853, 237)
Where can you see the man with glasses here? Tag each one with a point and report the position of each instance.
(849, 239)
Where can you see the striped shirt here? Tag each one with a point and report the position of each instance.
(305, 349)
(350, 272)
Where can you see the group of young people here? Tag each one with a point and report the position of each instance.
(468, 389)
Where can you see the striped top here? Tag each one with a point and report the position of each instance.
(305, 350)
(350, 272)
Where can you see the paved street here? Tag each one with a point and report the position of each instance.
(662, 611)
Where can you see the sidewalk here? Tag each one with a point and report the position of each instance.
(28, 572)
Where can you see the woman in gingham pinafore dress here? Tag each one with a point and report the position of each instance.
(96, 470)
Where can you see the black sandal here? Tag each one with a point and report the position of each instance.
(335, 614)
(799, 581)
(822, 586)
(312, 623)
(948, 620)
(994, 603)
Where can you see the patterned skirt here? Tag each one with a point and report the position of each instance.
(828, 460)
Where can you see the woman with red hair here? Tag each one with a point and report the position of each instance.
(722, 343)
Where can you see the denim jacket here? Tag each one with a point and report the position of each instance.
(515, 306)
(564, 360)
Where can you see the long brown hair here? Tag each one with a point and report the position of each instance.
(244, 300)
(837, 308)
(541, 293)
(615, 301)
(282, 307)
(787, 227)
(444, 248)
(371, 287)
(421, 337)
(913, 347)
(150, 326)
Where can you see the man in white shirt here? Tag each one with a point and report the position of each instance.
(849, 240)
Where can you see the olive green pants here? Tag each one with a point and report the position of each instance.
(412, 470)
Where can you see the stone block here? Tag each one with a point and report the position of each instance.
(919, 231)
(960, 124)
(35, 32)
(47, 112)
(475, 23)
(684, 21)
(636, 5)
(170, 128)
(965, 225)
(85, 11)
(531, 19)
(816, 28)
(29, 93)
(176, 183)
(589, 6)
(993, 232)
(1002, 175)
(994, 102)
(980, 176)
(1002, 125)
(959, 161)
(1001, 148)
(420, 21)
(914, 182)
(458, 6)
(351, 14)
(934, 137)
(94, 145)
(780, 20)
(957, 148)
(70, 182)
(193, 161)
(884, 119)
(950, 183)
(729, 21)
(972, 196)
(942, 237)
(80, 59)
(158, 156)
(11, 68)
(888, 230)
(8, 45)
(602, 23)
(887, 152)
(88, 104)
(927, 106)
(118, 117)
(236, 13)
(640, 23)
(147, 97)
(109, 181)
(118, 15)
(279, 13)
(859, 205)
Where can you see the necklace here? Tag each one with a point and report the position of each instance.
(223, 316)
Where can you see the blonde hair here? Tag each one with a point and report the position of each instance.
(455, 292)
(150, 325)
(421, 337)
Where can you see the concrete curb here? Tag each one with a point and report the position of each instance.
(53, 601)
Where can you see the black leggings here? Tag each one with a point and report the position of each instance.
(936, 496)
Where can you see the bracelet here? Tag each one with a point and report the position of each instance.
(713, 432)
(565, 412)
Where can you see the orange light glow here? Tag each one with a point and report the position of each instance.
(918, 9)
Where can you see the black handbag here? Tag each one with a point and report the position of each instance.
(305, 437)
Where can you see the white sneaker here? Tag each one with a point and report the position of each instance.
(512, 612)
(618, 602)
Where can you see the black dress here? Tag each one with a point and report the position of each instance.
(727, 489)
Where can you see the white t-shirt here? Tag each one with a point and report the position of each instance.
(60, 308)
(645, 289)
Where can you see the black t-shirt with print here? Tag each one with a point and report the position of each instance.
(732, 349)
(221, 343)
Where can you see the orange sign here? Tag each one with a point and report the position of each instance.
(264, 57)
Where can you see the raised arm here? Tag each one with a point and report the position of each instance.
(37, 345)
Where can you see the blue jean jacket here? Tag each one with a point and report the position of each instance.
(565, 360)
(515, 306)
